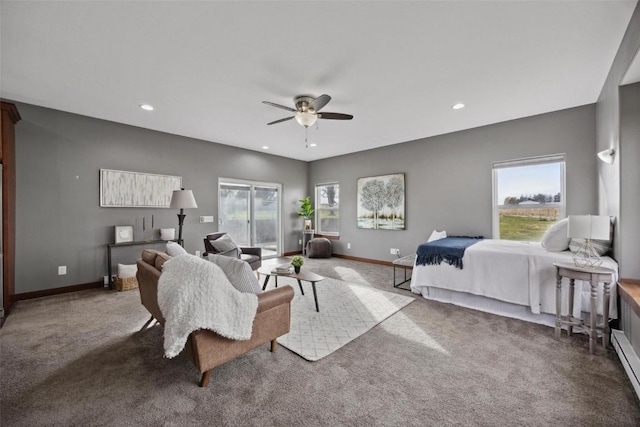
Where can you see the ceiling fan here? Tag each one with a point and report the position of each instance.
(307, 110)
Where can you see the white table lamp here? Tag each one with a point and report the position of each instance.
(588, 227)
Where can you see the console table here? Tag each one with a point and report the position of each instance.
(112, 246)
(593, 275)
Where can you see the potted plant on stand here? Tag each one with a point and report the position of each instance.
(306, 211)
(297, 262)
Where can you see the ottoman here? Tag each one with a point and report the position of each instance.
(319, 247)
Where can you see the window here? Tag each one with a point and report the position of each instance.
(327, 209)
(528, 197)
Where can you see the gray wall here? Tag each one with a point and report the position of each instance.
(449, 180)
(608, 136)
(630, 181)
(59, 221)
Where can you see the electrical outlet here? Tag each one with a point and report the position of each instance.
(197, 253)
(299, 241)
(62, 270)
(105, 280)
(392, 251)
(348, 245)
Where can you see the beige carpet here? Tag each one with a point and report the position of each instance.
(347, 311)
(78, 360)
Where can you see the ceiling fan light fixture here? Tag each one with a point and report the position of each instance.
(306, 119)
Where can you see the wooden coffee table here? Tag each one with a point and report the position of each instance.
(304, 275)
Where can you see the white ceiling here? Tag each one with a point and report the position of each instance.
(398, 67)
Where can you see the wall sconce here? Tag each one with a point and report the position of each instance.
(607, 155)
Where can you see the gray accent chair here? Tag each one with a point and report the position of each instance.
(249, 254)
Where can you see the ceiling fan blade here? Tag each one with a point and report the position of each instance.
(335, 116)
(279, 106)
(281, 120)
(319, 102)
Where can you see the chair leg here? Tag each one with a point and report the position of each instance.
(205, 378)
(147, 324)
(274, 344)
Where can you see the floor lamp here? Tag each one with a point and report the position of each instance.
(182, 199)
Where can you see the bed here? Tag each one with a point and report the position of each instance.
(508, 278)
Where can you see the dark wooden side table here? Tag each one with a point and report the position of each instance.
(593, 275)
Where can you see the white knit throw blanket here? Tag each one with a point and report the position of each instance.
(196, 294)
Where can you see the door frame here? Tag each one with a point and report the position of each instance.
(253, 184)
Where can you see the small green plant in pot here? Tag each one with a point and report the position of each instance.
(297, 262)
(306, 211)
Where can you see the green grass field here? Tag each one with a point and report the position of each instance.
(523, 228)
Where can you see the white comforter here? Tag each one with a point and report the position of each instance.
(520, 273)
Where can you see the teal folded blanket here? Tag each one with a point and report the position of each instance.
(450, 250)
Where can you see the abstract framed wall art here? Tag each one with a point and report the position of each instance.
(381, 202)
(120, 189)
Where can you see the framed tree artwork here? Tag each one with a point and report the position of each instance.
(381, 202)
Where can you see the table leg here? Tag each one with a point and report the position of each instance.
(558, 302)
(605, 315)
(572, 284)
(110, 279)
(300, 284)
(593, 334)
(315, 296)
(266, 280)
(276, 281)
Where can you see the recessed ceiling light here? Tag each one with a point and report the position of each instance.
(313, 145)
(458, 106)
(265, 147)
(146, 107)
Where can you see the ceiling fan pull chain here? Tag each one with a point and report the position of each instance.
(306, 134)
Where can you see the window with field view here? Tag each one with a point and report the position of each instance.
(528, 197)
(327, 209)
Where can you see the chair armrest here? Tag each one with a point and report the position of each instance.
(274, 297)
(252, 250)
(233, 253)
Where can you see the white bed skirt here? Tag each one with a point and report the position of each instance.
(490, 305)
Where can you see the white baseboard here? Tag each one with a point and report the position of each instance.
(628, 357)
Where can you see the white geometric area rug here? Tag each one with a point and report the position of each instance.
(347, 311)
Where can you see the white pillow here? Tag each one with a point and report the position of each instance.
(238, 272)
(225, 243)
(437, 235)
(555, 239)
(126, 270)
(174, 249)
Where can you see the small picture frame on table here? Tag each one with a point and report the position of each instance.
(124, 233)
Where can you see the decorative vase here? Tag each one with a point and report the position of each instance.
(167, 233)
(307, 224)
(296, 268)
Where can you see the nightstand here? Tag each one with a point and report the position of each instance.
(593, 275)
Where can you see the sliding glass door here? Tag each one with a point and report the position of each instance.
(250, 213)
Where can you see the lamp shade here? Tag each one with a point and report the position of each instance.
(607, 155)
(306, 119)
(589, 227)
(183, 199)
